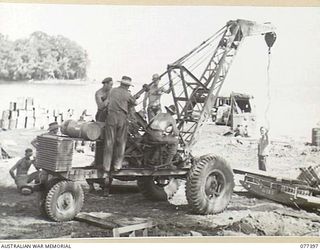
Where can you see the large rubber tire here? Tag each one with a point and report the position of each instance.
(64, 201)
(42, 195)
(209, 185)
(152, 189)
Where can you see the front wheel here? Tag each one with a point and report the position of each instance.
(209, 185)
(64, 201)
(42, 195)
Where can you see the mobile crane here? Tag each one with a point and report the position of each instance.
(209, 178)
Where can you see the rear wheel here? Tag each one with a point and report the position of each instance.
(64, 201)
(158, 188)
(209, 185)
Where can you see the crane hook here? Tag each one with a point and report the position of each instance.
(270, 38)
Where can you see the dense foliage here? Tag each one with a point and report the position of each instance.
(41, 57)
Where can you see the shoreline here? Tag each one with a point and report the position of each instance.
(50, 82)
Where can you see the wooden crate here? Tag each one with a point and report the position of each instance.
(22, 113)
(12, 124)
(13, 114)
(21, 103)
(29, 113)
(5, 115)
(21, 122)
(5, 124)
(12, 106)
(29, 103)
(41, 121)
(29, 122)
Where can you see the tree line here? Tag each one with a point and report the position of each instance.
(42, 57)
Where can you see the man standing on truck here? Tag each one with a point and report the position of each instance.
(153, 98)
(263, 149)
(101, 96)
(163, 128)
(22, 178)
(120, 102)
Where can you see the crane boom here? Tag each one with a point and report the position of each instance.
(199, 94)
(195, 92)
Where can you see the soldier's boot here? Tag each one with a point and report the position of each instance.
(107, 186)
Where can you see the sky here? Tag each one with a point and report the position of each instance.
(141, 40)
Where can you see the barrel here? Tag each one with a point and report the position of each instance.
(316, 136)
(81, 129)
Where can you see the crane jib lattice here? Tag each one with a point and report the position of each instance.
(195, 90)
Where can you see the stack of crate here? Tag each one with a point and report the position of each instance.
(41, 118)
(24, 113)
(29, 112)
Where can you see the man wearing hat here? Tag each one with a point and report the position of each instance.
(52, 130)
(120, 102)
(100, 96)
(163, 128)
(153, 96)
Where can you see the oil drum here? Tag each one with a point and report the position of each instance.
(316, 136)
(81, 129)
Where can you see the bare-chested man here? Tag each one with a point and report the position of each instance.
(153, 97)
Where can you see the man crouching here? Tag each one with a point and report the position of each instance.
(21, 177)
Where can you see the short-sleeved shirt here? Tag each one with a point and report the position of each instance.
(120, 99)
(23, 166)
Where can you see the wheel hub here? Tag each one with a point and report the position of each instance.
(214, 185)
(65, 201)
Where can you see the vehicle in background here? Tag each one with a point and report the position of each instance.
(236, 111)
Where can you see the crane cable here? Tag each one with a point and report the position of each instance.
(270, 38)
(266, 113)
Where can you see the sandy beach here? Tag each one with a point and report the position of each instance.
(245, 215)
